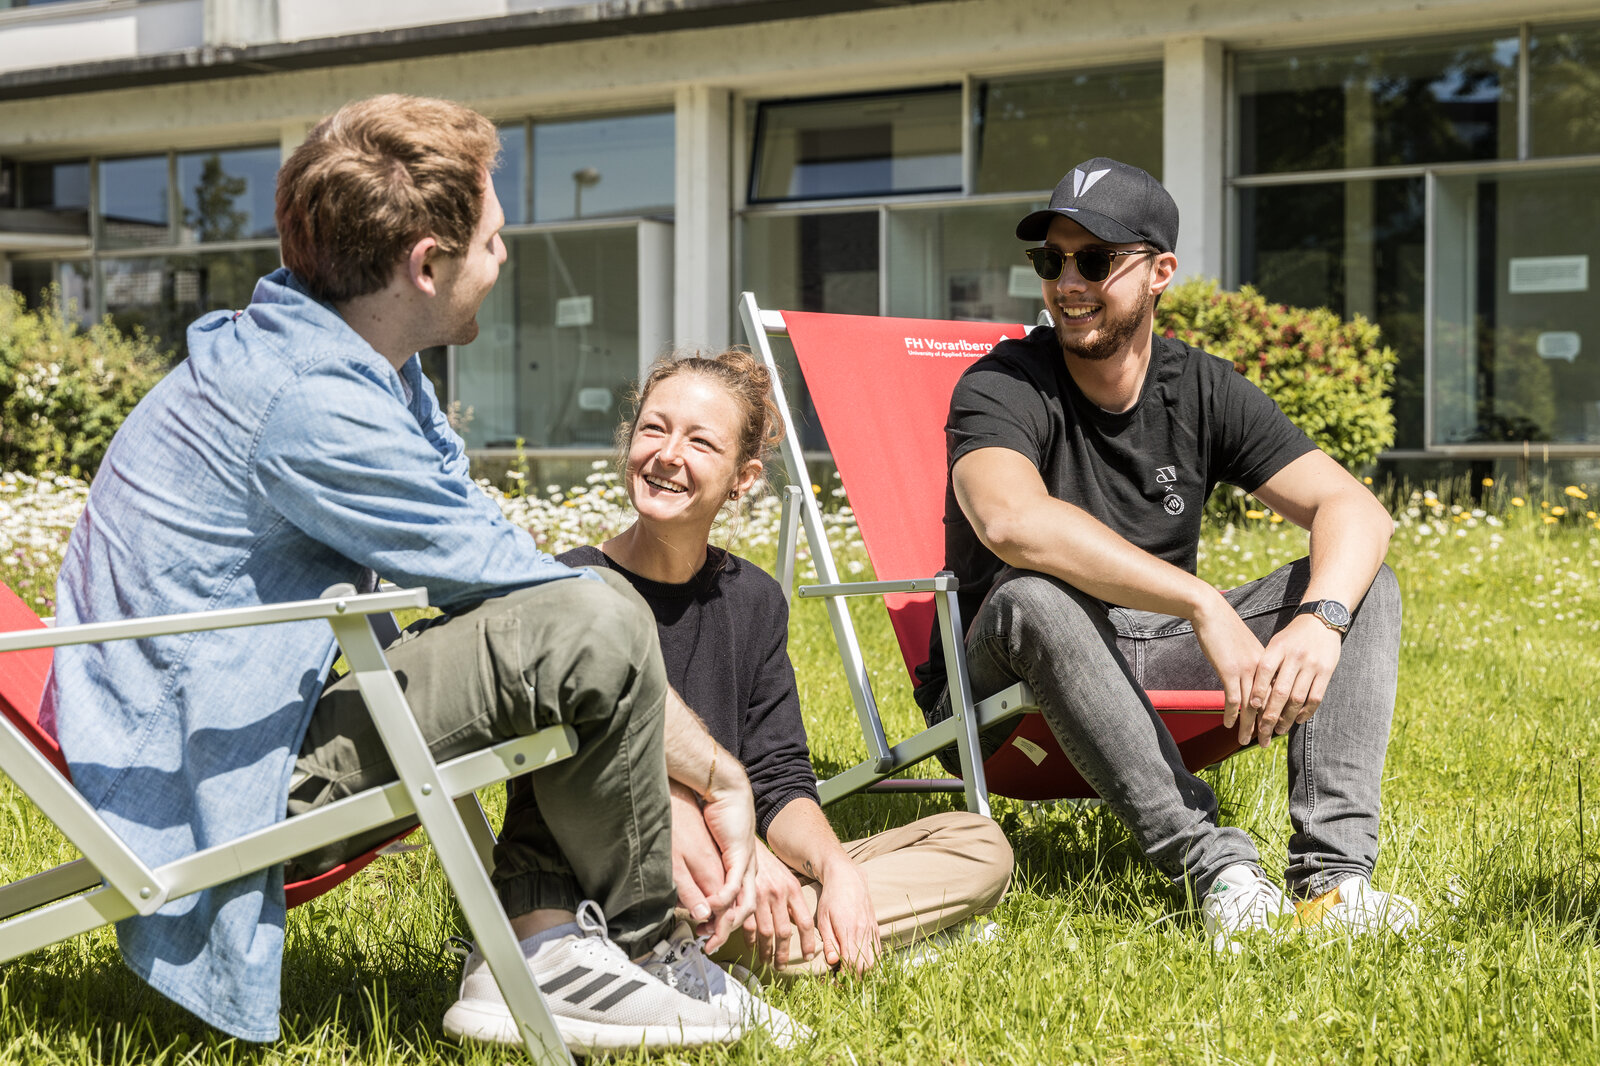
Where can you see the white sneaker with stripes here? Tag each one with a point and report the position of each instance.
(601, 1000)
(680, 962)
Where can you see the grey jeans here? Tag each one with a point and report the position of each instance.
(1087, 663)
(595, 826)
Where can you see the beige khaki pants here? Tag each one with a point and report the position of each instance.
(922, 878)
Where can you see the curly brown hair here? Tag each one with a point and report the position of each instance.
(374, 178)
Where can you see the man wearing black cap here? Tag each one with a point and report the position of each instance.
(1081, 457)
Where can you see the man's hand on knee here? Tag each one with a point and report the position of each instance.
(1293, 676)
(1234, 652)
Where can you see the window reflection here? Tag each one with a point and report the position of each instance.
(134, 209)
(961, 263)
(1030, 130)
(559, 339)
(1424, 102)
(228, 195)
(1564, 95)
(858, 146)
(1516, 328)
(163, 294)
(620, 165)
(1356, 247)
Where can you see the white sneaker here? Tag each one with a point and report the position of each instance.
(1354, 907)
(1242, 902)
(680, 961)
(600, 999)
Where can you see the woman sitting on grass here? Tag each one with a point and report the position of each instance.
(695, 444)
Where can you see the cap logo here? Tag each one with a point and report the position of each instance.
(1082, 183)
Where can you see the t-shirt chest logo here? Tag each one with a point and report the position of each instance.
(1167, 478)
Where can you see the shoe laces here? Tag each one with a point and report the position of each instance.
(681, 963)
(1248, 905)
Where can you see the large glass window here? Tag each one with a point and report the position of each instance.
(1516, 331)
(620, 165)
(562, 334)
(811, 262)
(1564, 90)
(163, 294)
(55, 186)
(511, 173)
(1357, 247)
(961, 262)
(876, 145)
(1378, 105)
(1030, 130)
(228, 195)
(135, 207)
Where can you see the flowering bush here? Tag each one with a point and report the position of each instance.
(65, 390)
(1332, 378)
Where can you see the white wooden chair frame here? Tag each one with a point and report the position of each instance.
(967, 717)
(111, 883)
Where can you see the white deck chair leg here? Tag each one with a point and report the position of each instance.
(477, 823)
(961, 706)
(451, 840)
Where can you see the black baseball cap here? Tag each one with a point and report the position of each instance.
(1118, 203)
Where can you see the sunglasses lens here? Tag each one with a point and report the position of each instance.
(1094, 264)
(1047, 262)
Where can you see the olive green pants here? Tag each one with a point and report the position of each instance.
(578, 652)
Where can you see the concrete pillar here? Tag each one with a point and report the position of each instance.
(236, 23)
(1194, 109)
(702, 231)
(292, 135)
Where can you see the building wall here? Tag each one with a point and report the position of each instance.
(709, 79)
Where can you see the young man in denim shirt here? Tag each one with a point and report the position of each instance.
(1081, 458)
(299, 446)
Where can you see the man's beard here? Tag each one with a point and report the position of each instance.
(1112, 338)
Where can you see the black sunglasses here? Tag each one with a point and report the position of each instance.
(1094, 264)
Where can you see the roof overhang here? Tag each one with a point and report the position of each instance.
(584, 21)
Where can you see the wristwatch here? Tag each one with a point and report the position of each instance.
(1331, 613)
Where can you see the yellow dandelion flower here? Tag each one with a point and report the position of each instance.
(569, 503)
(816, 488)
(1488, 482)
(1366, 481)
(1254, 514)
(1589, 514)
(1275, 518)
(1558, 511)
(1517, 501)
(1575, 492)
(1549, 521)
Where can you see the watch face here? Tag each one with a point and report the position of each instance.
(1335, 613)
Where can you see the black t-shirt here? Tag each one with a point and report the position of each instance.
(1146, 473)
(724, 640)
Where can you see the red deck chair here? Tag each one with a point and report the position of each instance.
(111, 883)
(881, 388)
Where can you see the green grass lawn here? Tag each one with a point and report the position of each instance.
(1485, 826)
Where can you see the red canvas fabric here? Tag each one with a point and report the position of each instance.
(881, 387)
(22, 678)
(22, 681)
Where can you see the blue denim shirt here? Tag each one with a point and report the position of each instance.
(283, 456)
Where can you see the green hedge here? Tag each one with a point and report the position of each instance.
(1331, 377)
(64, 390)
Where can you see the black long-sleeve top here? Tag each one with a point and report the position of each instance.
(724, 639)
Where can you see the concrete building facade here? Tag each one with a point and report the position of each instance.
(1432, 164)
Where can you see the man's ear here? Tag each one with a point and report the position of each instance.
(419, 265)
(1162, 273)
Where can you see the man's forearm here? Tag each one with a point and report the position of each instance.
(1349, 539)
(694, 759)
(801, 836)
(1057, 538)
